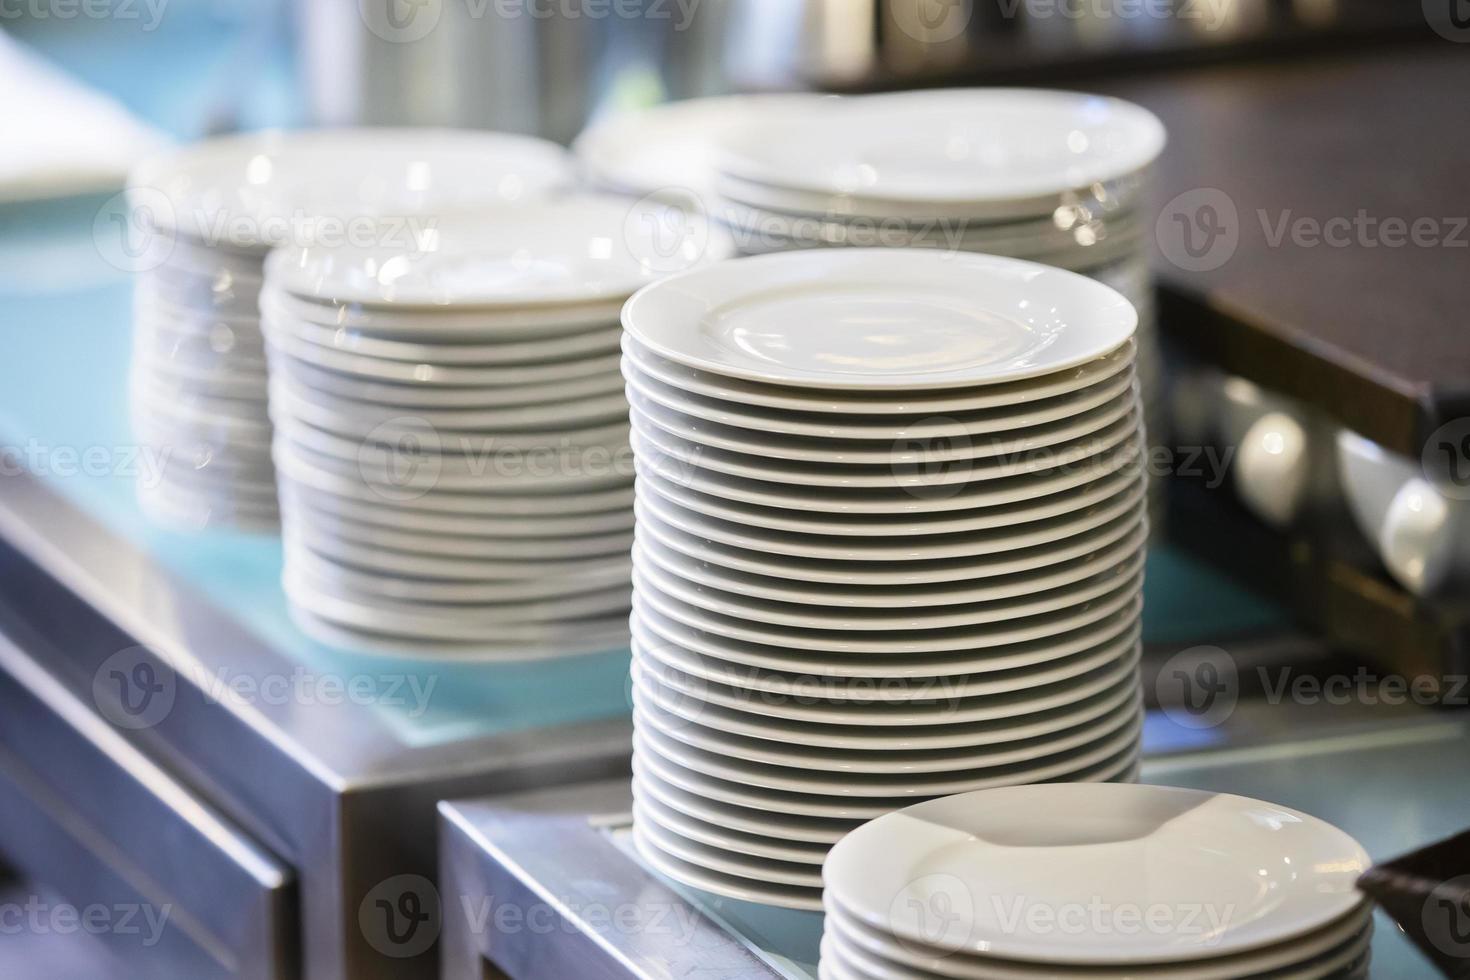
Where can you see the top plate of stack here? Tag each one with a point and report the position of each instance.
(257, 191)
(988, 155)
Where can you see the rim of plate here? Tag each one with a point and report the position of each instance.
(990, 320)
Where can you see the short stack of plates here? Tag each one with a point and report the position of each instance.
(198, 390)
(1095, 883)
(451, 436)
(889, 546)
(1059, 178)
(206, 216)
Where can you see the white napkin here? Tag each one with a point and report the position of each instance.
(59, 137)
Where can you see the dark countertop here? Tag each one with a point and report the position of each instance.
(1377, 335)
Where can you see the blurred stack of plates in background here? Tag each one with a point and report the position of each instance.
(1138, 882)
(889, 546)
(202, 220)
(451, 435)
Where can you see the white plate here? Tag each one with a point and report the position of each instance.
(1100, 200)
(910, 451)
(929, 547)
(435, 375)
(998, 151)
(685, 648)
(784, 805)
(684, 710)
(323, 524)
(745, 889)
(918, 404)
(567, 251)
(909, 573)
(358, 420)
(448, 325)
(907, 524)
(1009, 697)
(775, 612)
(882, 760)
(1005, 491)
(927, 641)
(487, 569)
(672, 455)
(412, 395)
(666, 149)
(429, 650)
(258, 189)
(725, 860)
(789, 422)
(903, 958)
(1051, 241)
(384, 514)
(562, 416)
(869, 786)
(414, 468)
(588, 343)
(301, 581)
(1282, 873)
(751, 823)
(401, 587)
(649, 805)
(431, 626)
(344, 479)
(699, 572)
(880, 319)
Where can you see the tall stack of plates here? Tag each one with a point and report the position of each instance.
(451, 435)
(889, 546)
(205, 217)
(1054, 177)
(1095, 882)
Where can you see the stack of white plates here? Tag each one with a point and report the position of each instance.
(889, 546)
(206, 216)
(451, 434)
(1095, 882)
(1054, 177)
(198, 390)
